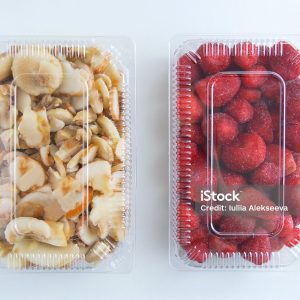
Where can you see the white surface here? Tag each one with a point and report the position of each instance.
(151, 24)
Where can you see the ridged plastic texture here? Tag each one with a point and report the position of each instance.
(67, 154)
(234, 152)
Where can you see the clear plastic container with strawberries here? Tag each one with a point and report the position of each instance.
(66, 160)
(234, 152)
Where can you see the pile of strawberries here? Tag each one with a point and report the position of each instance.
(241, 91)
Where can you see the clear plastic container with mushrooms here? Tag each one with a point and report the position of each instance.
(65, 154)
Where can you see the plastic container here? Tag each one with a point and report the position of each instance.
(67, 161)
(234, 152)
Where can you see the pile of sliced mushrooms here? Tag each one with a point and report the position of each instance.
(61, 156)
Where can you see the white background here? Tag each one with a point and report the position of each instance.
(151, 24)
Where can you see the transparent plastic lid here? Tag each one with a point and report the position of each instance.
(66, 159)
(235, 152)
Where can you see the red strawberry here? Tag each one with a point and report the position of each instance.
(285, 60)
(188, 69)
(293, 239)
(241, 110)
(192, 132)
(261, 122)
(292, 194)
(245, 55)
(231, 181)
(296, 220)
(288, 226)
(210, 219)
(221, 246)
(245, 153)
(292, 136)
(224, 86)
(214, 57)
(225, 128)
(257, 250)
(198, 162)
(187, 218)
(256, 78)
(237, 228)
(275, 155)
(202, 179)
(251, 95)
(187, 152)
(293, 100)
(189, 108)
(198, 251)
(276, 244)
(272, 88)
(266, 174)
(187, 237)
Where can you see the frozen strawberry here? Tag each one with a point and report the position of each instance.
(188, 69)
(292, 239)
(250, 197)
(285, 60)
(237, 228)
(199, 162)
(192, 132)
(288, 226)
(292, 136)
(293, 101)
(230, 181)
(245, 153)
(255, 78)
(275, 155)
(272, 88)
(202, 179)
(251, 95)
(225, 128)
(262, 123)
(245, 55)
(257, 249)
(266, 174)
(224, 87)
(222, 246)
(276, 244)
(296, 220)
(214, 57)
(187, 218)
(189, 108)
(187, 237)
(198, 251)
(208, 219)
(241, 110)
(292, 194)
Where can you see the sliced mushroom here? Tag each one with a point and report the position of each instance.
(103, 90)
(34, 128)
(64, 134)
(59, 118)
(117, 181)
(120, 150)
(6, 89)
(8, 141)
(46, 256)
(87, 234)
(43, 231)
(6, 210)
(73, 80)
(108, 214)
(83, 117)
(104, 149)
(112, 72)
(29, 173)
(84, 135)
(83, 157)
(100, 61)
(50, 102)
(38, 74)
(114, 104)
(97, 175)
(8, 113)
(59, 165)
(68, 149)
(4, 249)
(69, 228)
(5, 66)
(106, 79)
(109, 128)
(23, 101)
(95, 102)
(79, 102)
(54, 178)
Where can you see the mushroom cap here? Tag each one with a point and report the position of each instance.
(5, 66)
(38, 74)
